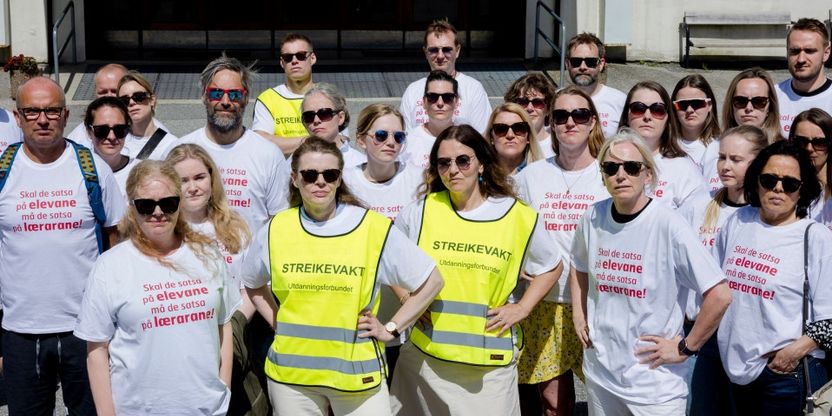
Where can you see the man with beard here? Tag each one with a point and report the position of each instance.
(255, 182)
(585, 61)
(807, 49)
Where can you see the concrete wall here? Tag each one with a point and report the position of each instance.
(28, 28)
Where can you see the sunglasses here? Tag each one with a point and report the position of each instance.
(740, 102)
(324, 114)
(446, 50)
(463, 162)
(657, 110)
(537, 103)
(590, 62)
(579, 116)
(311, 175)
(102, 131)
(433, 97)
(301, 56)
(818, 143)
(520, 128)
(139, 97)
(381, 136)
(168, 205)
(216, 94)
(631, 167)
(694, 103)
(32, 113)
(769, 181)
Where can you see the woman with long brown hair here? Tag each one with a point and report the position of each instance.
(751, 99)
(461, 360)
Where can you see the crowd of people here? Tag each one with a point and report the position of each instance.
(445, 259)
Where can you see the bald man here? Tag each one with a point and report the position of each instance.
(48, 244)
(106, 85)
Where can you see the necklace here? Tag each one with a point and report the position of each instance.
(563, 175)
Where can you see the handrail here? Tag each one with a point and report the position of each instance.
(57, 52)
(560, 50)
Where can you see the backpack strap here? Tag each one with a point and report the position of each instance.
(6, 160)
(90, 174)
(151, 144)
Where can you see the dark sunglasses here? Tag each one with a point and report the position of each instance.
(520, 128)
(590, 62)
(631, 167)
(463, 162)
(694, 103)
(657, 110)
(579, 116)
(216, 94)
(102, 131)
(537, 103)
(381, 136)
(324, 114)
(301, 56)
(818, 143)
(168, 205)
(769, 181)
(311, 175)
(433, 97)
(740, 102)
(446, 50)
(139, 97)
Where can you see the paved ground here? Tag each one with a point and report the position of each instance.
(180, 109)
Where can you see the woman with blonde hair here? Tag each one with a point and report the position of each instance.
(148, 138)
(561, 188)
(752, 99)
(164, 284)
(326, 257)
(510, 133)
(738, 146)
(634, 260)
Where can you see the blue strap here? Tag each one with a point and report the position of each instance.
(90, 174)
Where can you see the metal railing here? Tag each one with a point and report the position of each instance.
(541, 34)
(57, 52)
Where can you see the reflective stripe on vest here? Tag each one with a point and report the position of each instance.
(323, 285)
(480, 262)
(285, 112)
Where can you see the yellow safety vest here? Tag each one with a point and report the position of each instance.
(480, 262)
(286, 113)
(323, 284)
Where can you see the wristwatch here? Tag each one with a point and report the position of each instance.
(684, 350)
(392, 328)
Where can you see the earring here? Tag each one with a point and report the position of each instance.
(480, 178)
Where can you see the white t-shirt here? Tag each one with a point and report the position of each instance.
(639, 276)
(263, 119)
(9, 130)
(546, 147)
(122, 174)
(387, 198)
(79, 135)
(825, 215)
(542, 254)
(764, 266)
(679, 180)
(253, 174)
(474, 107)
(402, 263)
(352, 156)
(561, 197)
(133, 145)
(610, 104)
(162, 326)
(419, 144)
(709, 169)
(232, 261)
(695, 150)
(791, 103)
(47, 240)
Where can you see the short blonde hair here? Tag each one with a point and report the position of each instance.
(628, 135)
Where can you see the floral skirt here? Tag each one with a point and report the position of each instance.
(551, 346)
